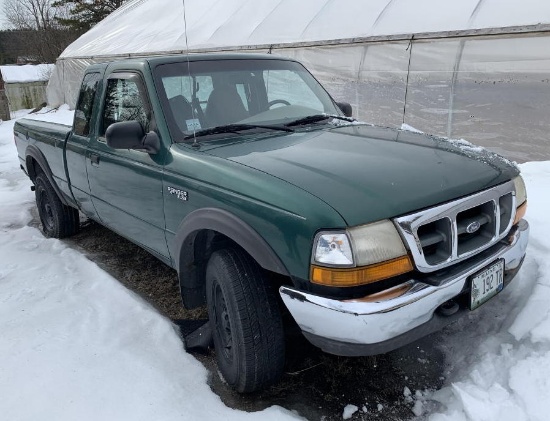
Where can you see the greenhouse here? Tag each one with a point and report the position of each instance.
(477, 69)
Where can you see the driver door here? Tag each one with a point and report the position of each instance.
(126, 185)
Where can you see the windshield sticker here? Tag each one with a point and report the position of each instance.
(193, 124)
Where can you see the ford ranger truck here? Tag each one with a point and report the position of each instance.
(269, 200)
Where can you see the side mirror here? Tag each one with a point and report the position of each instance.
(346, 108)
(130, 135)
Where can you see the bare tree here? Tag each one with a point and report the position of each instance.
(32, 14)
(44, 38)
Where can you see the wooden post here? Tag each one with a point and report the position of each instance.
(4, 105)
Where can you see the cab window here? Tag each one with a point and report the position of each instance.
(83, 111)
(124, 102)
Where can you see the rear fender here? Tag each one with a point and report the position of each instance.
(36, 162)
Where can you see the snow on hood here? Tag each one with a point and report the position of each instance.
(467, 147)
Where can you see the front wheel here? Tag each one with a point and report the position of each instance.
(246, 322)
(58, 220)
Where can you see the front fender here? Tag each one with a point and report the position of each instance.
(231, 226)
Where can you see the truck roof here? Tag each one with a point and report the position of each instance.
(178, 58)
(155, 60)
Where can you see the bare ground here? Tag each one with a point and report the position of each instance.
(316, 385)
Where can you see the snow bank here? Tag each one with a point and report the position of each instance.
(500, 363)
(27, 73)
(349, 410)
(75, 344)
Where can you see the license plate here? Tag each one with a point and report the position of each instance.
(486, 284)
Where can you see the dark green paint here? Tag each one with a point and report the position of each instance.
(369, 173)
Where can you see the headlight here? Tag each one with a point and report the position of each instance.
(376, 242)
(333, 248)
(359, 255)
(521, 192)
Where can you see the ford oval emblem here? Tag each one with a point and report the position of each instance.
(473, 227)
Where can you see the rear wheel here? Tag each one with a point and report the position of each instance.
(58, 220)
(246, 322)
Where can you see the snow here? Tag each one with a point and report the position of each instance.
(76, 344)
(61, 115)
(501, 370)
(349, 410)
(27, 73)
(409, 128)
(474, 151)
(417, 408)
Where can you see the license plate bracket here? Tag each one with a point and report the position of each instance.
(486, 283)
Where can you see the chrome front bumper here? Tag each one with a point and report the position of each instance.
(355, 327)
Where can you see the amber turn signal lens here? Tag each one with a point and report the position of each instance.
(520, 212)
(360, 276)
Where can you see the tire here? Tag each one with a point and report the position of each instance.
(246, 322)
(58, 220)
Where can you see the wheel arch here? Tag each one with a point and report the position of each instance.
(35, 162)
(191, 248)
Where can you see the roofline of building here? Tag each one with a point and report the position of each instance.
(540, 29)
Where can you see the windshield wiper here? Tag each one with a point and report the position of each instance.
(235, 128)
(316, 118)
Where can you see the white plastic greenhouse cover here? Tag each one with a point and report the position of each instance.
(142, 27)
(153, 26)
(347, 44)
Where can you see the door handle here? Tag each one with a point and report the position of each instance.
(94, 158)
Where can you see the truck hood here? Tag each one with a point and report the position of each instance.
(370, 173)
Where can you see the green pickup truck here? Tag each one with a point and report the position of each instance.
(272, 203)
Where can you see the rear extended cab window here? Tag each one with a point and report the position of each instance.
(83, 111)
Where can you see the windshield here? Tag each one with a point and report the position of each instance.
(203, 95)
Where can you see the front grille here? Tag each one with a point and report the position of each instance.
(443, 235)
(435, 239)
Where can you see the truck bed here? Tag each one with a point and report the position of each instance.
(49, 138)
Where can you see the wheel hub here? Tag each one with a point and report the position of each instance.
(223, 324)
(47, 211)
